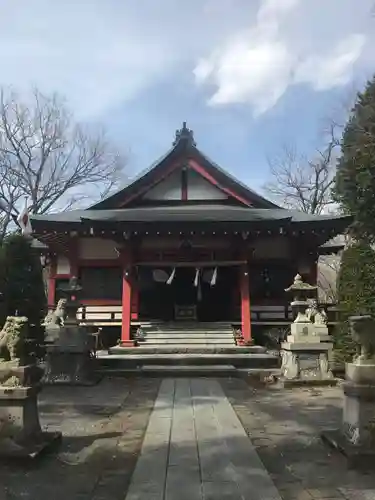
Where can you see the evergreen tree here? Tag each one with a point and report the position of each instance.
(356, 292)
(24, 293)
(355, 177)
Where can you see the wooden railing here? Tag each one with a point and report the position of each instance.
(263, 315)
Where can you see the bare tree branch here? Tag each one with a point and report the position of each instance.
(49, 158)
(306, 184)
(302, 184)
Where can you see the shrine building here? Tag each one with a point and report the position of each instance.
(184, 241)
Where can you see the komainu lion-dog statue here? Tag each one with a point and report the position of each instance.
(12, 349)
(362, 330)
(56, 317)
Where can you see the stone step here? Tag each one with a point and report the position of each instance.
(189, 371)
(188, 327)
(192, 338)
(145, 348)
(130, 361)
(187, 332)
(190, 341)
(174, 371)
(192, 371)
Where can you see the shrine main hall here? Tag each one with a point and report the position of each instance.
(185, 241)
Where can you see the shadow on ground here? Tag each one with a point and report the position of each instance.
(285, 427)
(103, 429)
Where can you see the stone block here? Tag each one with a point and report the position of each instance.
(321, 331)
(302, 332)
(359, 414)
(356, 437)
(306, 363)
(69, 359)
(69, 368)
(21, 436)
(360, 373)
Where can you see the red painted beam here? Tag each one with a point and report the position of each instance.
(168, 171)
(202, 171)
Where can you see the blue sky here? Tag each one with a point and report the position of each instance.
(247, 75)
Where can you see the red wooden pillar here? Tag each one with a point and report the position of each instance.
(245, 303)
(134, 302)
(126, 297)
(52, 282)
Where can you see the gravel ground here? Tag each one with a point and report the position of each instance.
(285, 427)
(103, 428)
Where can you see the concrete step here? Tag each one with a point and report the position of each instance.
(252, 374)
(174, 371)
(188, 328)
(188, 333)
(145, 348)
(190, 341)
(189, 371)
(131, 361)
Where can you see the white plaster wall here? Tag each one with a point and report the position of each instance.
(200, 189)
(63, 265)
(96, 248)
(168, 189)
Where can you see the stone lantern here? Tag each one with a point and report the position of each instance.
(301, 293)
(305, 359)
(69, 357)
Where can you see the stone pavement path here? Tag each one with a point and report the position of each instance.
(195, 448)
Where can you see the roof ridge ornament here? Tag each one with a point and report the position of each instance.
(185, 135)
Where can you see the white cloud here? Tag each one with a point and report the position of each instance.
(334, 68)
(258, 65)
(103, 54)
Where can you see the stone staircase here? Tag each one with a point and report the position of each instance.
(185, 334)
(186, 349)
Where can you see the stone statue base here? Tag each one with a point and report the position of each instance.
(356, 438)
(306, 364)
(21, 436)
(69, 360)
(69, 366)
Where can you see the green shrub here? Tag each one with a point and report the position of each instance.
(356, 293)
(24, 292)
(355, 177)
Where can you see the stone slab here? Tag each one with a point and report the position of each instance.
(301, 346)
(146, 349)
(360, 374)
(201, 449)
(307, 382)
